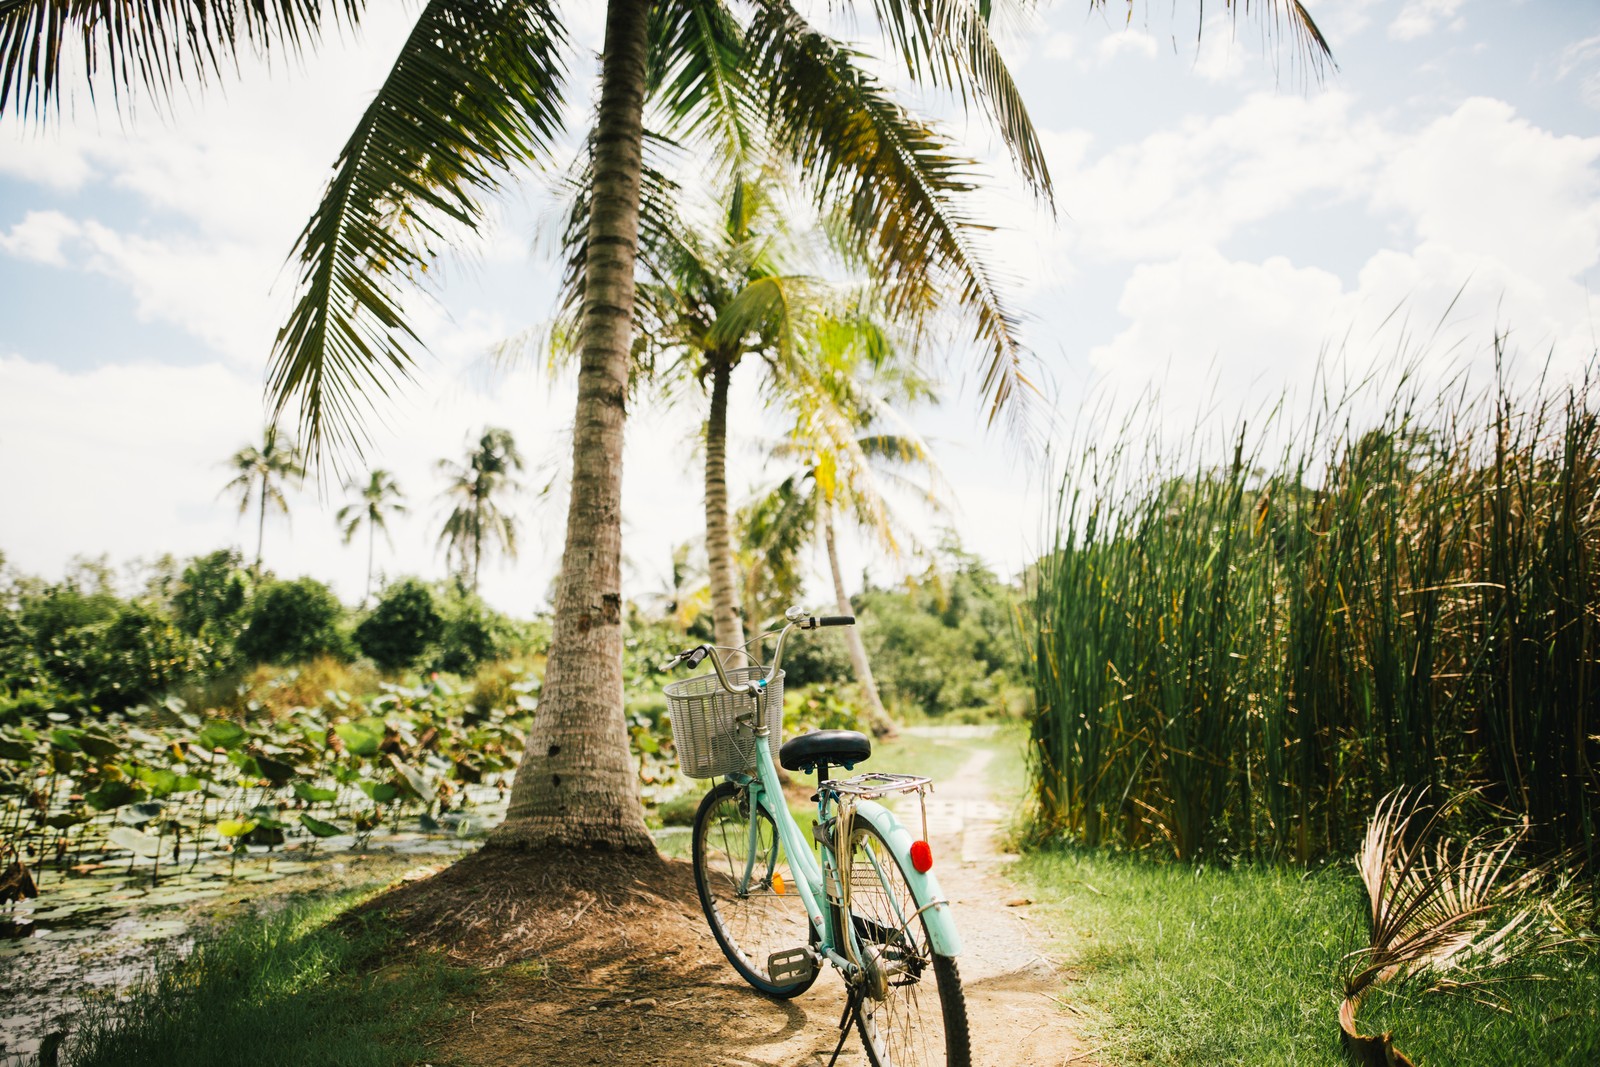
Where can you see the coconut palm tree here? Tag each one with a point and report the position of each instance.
(846, 457)
(474, 95)
(262, 472)
(477, 523)
(375, 501)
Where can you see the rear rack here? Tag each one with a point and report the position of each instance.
(873, 785)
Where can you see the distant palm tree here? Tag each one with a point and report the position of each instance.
(262, 473)
(376, 501)
(476, 523)
(844, 458)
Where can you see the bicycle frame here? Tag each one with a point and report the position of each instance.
(766, 792)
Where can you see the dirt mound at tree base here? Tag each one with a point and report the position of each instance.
(562, 908)
(597, 958)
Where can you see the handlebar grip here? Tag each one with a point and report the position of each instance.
(837, 620)
(691, 656)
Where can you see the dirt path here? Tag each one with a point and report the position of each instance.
(1011, 985)
(663, 995)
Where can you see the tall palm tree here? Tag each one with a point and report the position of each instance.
(707, 301)
(262, 472)
(477, 523)
(476, 93)
(375, 501)
(846, 457)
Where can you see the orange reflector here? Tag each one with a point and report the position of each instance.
(921, 856)
(777, 883)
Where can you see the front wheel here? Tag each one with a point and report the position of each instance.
(747, 889)
(913, 1013)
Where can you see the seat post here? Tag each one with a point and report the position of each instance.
(822, 771)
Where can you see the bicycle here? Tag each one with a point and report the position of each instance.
(780, 908)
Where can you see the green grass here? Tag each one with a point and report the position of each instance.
(280, 989)
(1170, 964)
(937, 758)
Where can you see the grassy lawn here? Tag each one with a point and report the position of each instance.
(279, 989)
(1170, 964)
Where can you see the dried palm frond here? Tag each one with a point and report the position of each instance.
(1443, 911)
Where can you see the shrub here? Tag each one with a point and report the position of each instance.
(290, 622)
(212, 599)
(473, 633)
(402, 628)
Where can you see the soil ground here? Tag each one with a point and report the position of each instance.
(607, 960)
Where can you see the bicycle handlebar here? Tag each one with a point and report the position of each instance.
(694, 656)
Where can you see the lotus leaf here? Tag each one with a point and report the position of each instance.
(159, 781)
(113, 795)
(318, 828)
(380, 792)
(413, 779)
(136, 841)
(220, 733)
(234, 828)
(15, 751)
(65, 738)
(361, 737)
(159, 929)
(67, 820)
(98, 746)
(312, 794)
(266, 835)
(275, 771)
(139, 814)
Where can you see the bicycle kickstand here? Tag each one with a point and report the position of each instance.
(852, 1008)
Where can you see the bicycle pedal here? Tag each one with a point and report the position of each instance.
(791, 965)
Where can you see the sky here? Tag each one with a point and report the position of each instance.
(1221, 225)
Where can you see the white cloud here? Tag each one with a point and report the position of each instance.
(39, 237)
(1200, 315)
(1060, 46)
(1487, 182)
(1421, 17)
(1583, 59)
(1219, 58)
(1130, 42)
(1340, 20)
(1200, 181)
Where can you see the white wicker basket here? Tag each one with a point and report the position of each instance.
(706, 731)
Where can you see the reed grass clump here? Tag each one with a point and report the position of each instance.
(1240, 658)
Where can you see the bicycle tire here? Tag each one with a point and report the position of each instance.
(900, 1027)
(769, 916)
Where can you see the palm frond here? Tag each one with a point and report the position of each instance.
(897, 183)
(1445, 911)
(1280, 18)
(697, 76)
(474, 93)
(946, 43)
(152, 44)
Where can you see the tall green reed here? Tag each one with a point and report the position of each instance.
(1240, 657)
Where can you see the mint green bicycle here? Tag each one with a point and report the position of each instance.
(858, 894)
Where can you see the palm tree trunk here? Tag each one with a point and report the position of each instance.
(724, 605)
(372, 546)
(877, 719)
(576, 785)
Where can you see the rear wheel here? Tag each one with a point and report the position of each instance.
(914, 1013)
(747, 889)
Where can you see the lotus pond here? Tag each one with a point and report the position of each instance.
(117, 835)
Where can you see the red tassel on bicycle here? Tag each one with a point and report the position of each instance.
(921, 857)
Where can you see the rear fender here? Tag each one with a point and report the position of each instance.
(924, 887)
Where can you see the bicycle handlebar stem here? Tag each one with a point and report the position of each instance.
(796, 619)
